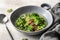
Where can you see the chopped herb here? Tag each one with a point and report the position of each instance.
(24, 39)
(9, 10)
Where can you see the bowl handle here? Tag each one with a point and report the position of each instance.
(46, 6)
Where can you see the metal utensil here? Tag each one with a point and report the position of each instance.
(4, 20)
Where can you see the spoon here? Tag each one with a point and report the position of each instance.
(4, 20)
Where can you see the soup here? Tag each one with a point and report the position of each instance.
(31, 22)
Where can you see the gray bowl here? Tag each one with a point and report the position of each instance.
(29, 9)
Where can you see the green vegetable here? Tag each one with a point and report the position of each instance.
(9, 10)
(24, 39)
(31, 22)
(30, 28)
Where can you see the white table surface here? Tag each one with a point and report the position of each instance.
(14, 4)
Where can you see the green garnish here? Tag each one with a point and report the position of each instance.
(24, 39)
(9, 10)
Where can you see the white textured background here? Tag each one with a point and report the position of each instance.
(6, 4)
